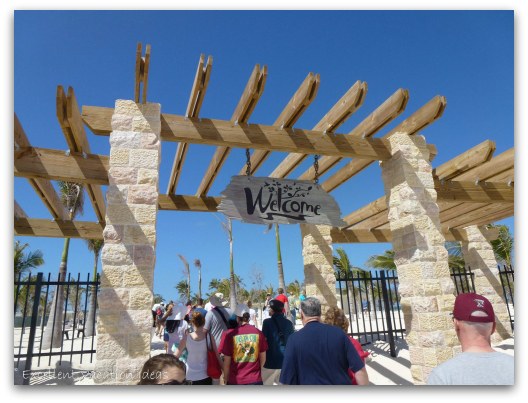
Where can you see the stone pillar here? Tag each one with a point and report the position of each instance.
(479, 256)
(319, 277)
(425, 285)
(124, 325)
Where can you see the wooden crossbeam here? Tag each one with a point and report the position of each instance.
(188, 203)
(273, 138)
(293, 110)
(464, 162)
(481, 215)
(470, 192)
(423, 117)
(58, 228)
(44, 164)
(42, 186)
(385, 235)
(501, 163)
(340, 112)
(72, 126)
(141, 76)
(199, 88)
(457, 167)
(19, 211)
(244, 109)
(386, 112)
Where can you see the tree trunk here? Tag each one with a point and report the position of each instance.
(57, 307)
(90, 316)
(232, 285)
(199, 283)
(279, 259)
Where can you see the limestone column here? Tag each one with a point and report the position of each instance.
(479, 256)
(319, 277)
(425, 286)
(124, 324)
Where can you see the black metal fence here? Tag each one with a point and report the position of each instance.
(44, 329)
(371, 301)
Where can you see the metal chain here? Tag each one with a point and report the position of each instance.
(248, 162)
(316, 169)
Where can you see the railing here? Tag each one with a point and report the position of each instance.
(73, 312)
(371, 301)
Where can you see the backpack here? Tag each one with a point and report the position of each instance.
(158, 312)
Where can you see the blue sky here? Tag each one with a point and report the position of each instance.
(467, 56)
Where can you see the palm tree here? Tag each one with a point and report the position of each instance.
(158, 298)
(188, 271)
(228, 228)
(345, 270)
(280, 269)
(224, 286)
(294, 288)
(382, 262)
(503, 245)
(24, 263)
(72, 197)
(198, 265)
(95, 246)
(183, 289)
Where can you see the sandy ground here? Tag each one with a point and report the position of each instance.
(381, 367)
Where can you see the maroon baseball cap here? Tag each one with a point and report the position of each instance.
(469, 303)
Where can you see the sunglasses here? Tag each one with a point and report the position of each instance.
(175, 382)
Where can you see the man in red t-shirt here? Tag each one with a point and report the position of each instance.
(244, 349)
(284, 299)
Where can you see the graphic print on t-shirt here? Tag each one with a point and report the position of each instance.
(246, 347)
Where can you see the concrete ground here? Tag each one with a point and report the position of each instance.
(381, 367)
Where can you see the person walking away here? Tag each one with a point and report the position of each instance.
(284, 299)
(479, 363)
(293, 313)
(159, 316)
(200, 307)
(336, 317)
(216, 322)
(175, 329)
(155, 308)
(244, 349)
(277, 329)
(265, 309)
(196, 345)
(320, 354)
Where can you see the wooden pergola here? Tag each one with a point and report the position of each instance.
(474, 188)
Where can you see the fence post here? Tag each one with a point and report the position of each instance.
(33, 328)
(387, 313)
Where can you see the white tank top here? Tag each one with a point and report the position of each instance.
(197, 359)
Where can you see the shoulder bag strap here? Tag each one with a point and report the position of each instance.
(281, 335)
(221, 315)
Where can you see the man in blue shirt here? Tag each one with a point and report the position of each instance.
(277, 330)
(320, 354)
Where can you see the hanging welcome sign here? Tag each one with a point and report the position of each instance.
(260, 200)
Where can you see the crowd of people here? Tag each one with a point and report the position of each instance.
(199, 339)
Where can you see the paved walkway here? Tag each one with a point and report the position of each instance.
(381, 367)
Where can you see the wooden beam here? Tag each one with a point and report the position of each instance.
(423, 117)
(145, 71)
(42, 186)
(41, 163)
(188, 203)
(339, 113)
(498, 164)
(386, 112)
(468, 160)
(480, 216)
(464, 162)
(198, 90)
(73, 129)
(224, 133)
(385, 235)
(58, 228)
(293, 110)
(244, 109)
(490, 192)
(137, 85)
(19, 211)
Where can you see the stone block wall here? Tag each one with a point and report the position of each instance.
(319, 277)
(425, 286)
(125, 321)
(479, 256)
